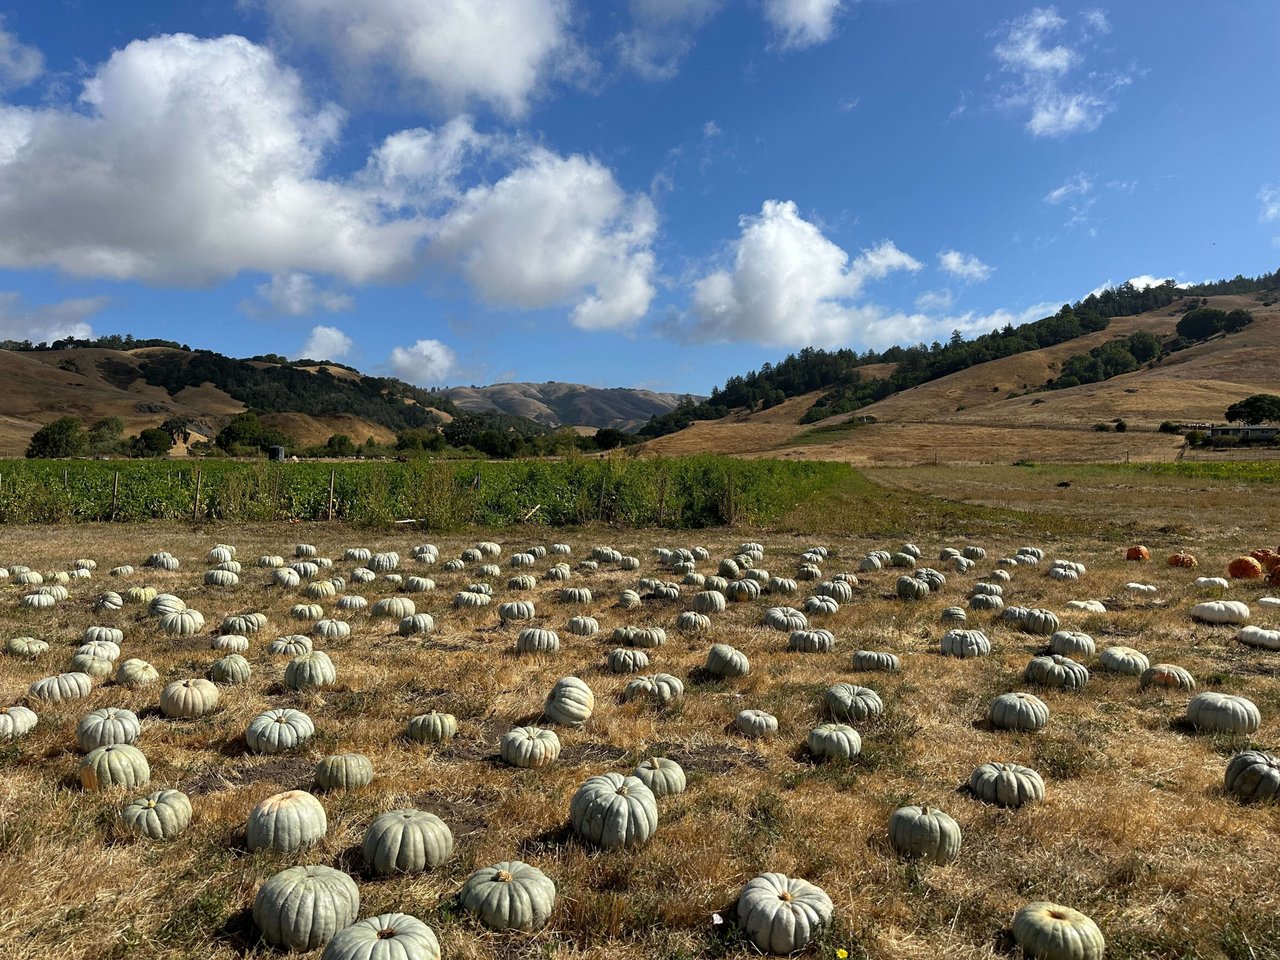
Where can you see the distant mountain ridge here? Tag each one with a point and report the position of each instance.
(569, 404)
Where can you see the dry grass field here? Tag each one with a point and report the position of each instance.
(1135, 830)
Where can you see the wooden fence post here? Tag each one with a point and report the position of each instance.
(195, 504)
(662, 500)
(332, 476)
(115, 494)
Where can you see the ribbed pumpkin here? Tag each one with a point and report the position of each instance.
(115, 765)
(811, 641)
(781, 915)
(1260, 637)
(511, 895)
(834, 741)
(1137, 554)
(1018, 711)
(625, 660)
(537, 640)
(107, 725)
(135, 673)
(187, 699)
(286, 821)
(16, 722)
(1213, 712)
(756, 723)
(28, 648)
(529, 747)
(292, 645)
(516, 610)
(231, 669)
(416, 625)
(344, 771)
(1050, 931)
(1254, 776)
(311, 671)
(583, 626)
(821, 606)
(391, 936)
(691, 622)
(406, 841)
(662, 775)
(303, 908)
(278, 731)
(874, 661)
(1221, 612)
(965, 644)
(1166, 676)
(1072, 643)
(1057, 672)
(725, 661)
(570, 702)
(162, 815)
(432, 727)
(612, 811)
(1006, 784)
(182, 623)
(1184, 560)
(1245, 568)
(393, 608)
(661, 688)
(924, 833)
(62, 688)
(785, 618)
(1124, 660)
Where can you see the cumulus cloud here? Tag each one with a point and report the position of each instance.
(963, 266)
(556, 230)
(1140, 282)
(1031, 51)
(445, 54)
(325, 343)
(19, 63)
(790, 285)
(295, 295)
(426, 363)
(188, 161)
(802, 23)
(1269, 198)
(49, 322)
(662, 34)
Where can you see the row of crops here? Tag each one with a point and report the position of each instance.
(687, 492)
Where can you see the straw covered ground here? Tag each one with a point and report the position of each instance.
(1135, 830)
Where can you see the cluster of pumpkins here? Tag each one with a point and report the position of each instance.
(304, 907)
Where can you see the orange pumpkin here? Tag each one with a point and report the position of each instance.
(1183, 560)
(1244, 568)
(1138, 553)
(1267, 557)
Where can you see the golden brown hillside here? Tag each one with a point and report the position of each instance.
(973, 416)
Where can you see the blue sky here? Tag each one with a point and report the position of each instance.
(654, 193)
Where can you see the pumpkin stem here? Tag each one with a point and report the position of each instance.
(785, 896)
(386, 933)
(503, 877)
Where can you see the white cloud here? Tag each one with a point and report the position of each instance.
(972, 323)
(1269, 198)
(1139, 283)
(325, 343)
(443, 54)
(19, 63)
(1096, 21)
(802, 23)
(426, 363)
(189, 161)
(662, 34)
(790, 285)
(1075, 186)
(964, 266)
(295, 295)
(53, 321)
(933, 300)
(557, 230)
(1029, 50)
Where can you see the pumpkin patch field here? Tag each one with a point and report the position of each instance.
(319, 740)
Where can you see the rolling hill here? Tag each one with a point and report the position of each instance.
(568, 404)
(995, 413)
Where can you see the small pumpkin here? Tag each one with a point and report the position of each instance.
(625, 660)
(1213, 712)
(432, 727)
(135, 673)
(62, 688)
(162, 815)
(965, 644)
(1072, 643)
(756, 723)
(1006, 784)
(114, 765)
(529, 747)
(187, 699)
(811, 641)
(661, 688)
(1245, 568)
(287, 821)
(1124, 660)
(1050, 931)
(1184, 560)
(1057, 672)
(876, 661)
(846, 701)
(231, 669)
(511, 895)
(612, 811)
(662, 775)
(727, 662)
(781, 915)
(344, 771)
(1167, 676)
(303, 908)
(1022, 712)
(570, 702)
(278, 731)
(390, 936)
(16, 722)
(1254, 776)
(107, 725)
(834, 741)
(406, 841)
(924, 833)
